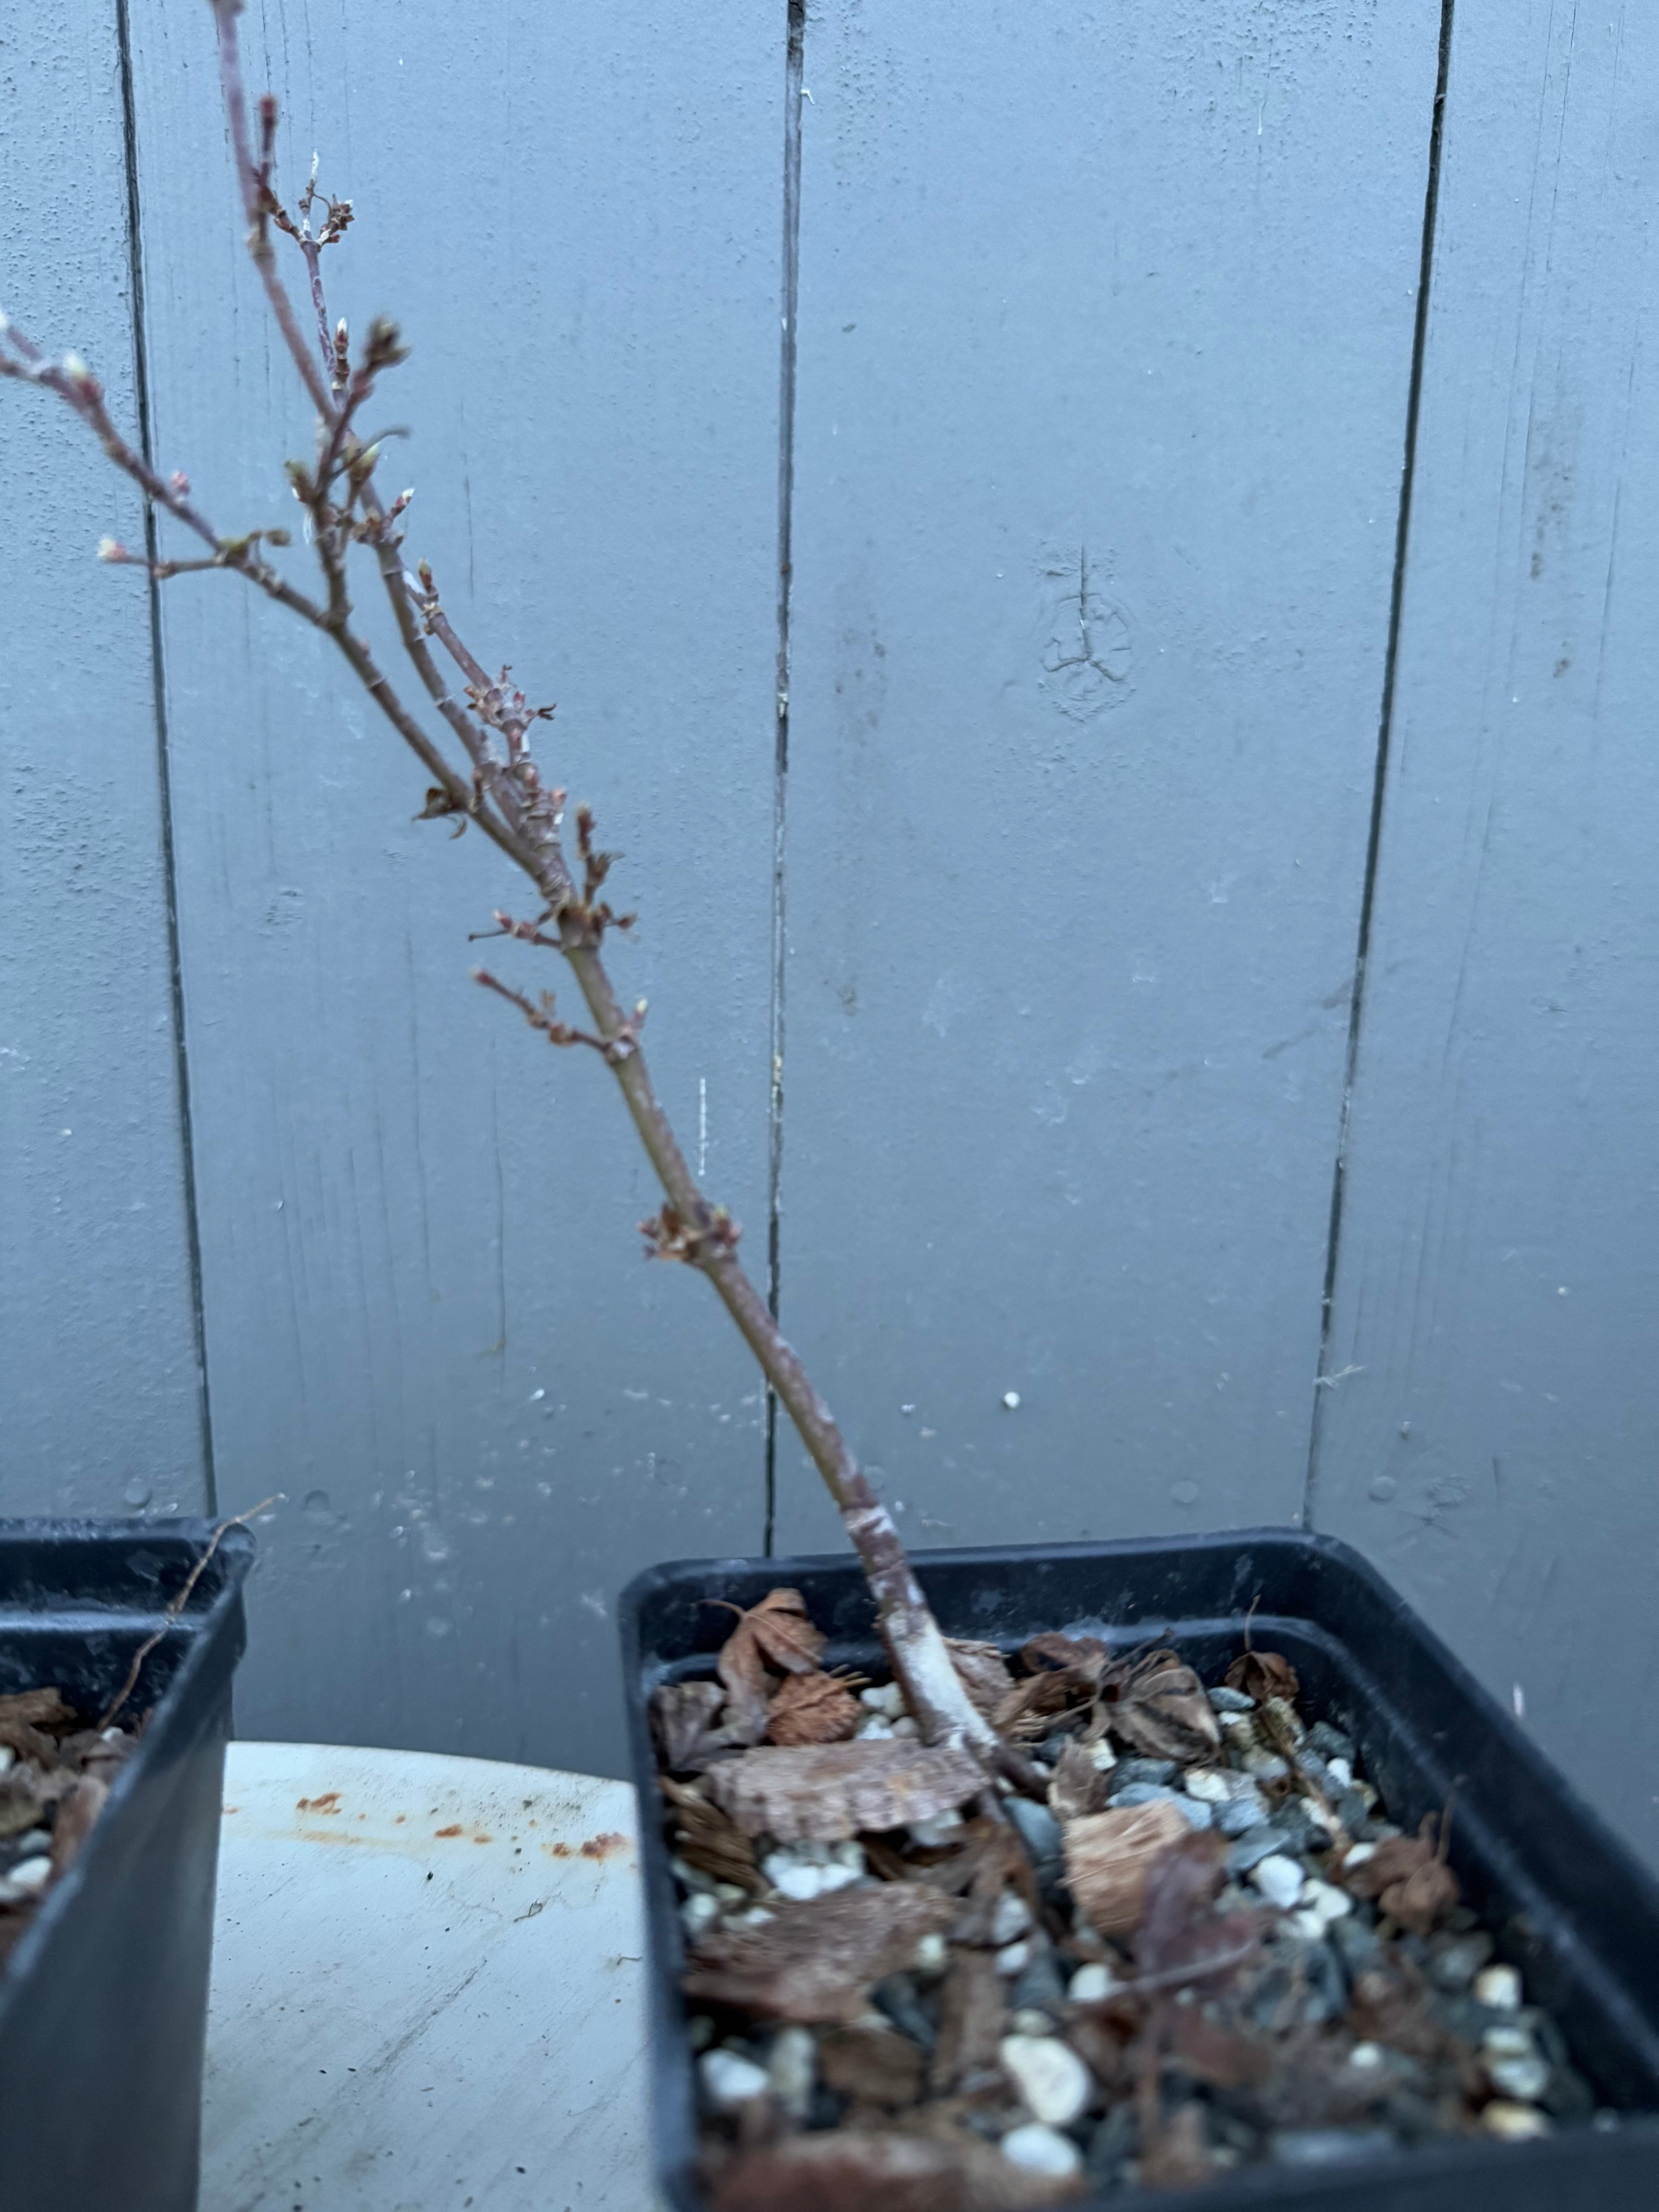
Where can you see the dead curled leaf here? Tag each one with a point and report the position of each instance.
(826, 1793)
(1108, 1855)
(1077, 1788)
(1264, 1675)
(814, 1960)
(811, 1709)
(709, 1841)
(1085, 1656)
(1158, 1707)
(684, 1718)
(40, 1709)
(1408, 1877)
(984, 1673)
(1028, 1710)
(777, 1631)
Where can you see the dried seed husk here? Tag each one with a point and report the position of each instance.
(811, 1709)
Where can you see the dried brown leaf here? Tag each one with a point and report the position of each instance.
(1028, 1709)
(1158, 1706)
(1264, 1675)
(984, 1674)
(1422, 1897)
(1182, 1941)
(40, 1709)
(780, 1627)
(1107, 1858)
(1408, 1878)
(748, 1687)
(684, 1721)
(811, 1709)
(29, 1741)
(1084, 1657)
(973, 2009)
(709, 1842)
(825, 1793)
(814, 1960)
(1078, 1787)
(871, 2065)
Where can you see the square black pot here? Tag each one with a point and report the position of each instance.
(1567, 1902)
(103, 2003)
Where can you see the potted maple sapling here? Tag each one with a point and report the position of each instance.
(1097, 1869)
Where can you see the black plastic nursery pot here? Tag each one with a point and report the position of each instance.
(103, 2003)
(1567, 1904)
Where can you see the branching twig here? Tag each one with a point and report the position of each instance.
(503, 790)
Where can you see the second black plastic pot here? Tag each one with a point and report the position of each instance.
(103, 2004)
(1569, 1905)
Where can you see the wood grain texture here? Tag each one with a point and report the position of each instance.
(1494, 1447)
(100, 1379)
(1105, 338)
(429, 1320)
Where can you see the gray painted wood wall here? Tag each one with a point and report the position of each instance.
(1176, 942)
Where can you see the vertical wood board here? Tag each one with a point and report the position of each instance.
(1105, 337)
(428, 1321)
(100, 1378)
(1493, 1440)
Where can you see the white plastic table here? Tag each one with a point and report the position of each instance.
(428, 1989)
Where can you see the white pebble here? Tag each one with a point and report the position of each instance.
(1103, 1755)
(1209, 1786)
(1507, 2043)
(31, 1872)
(1499, 1987)
(931, 1833)
(1038, 2149)
(1090, 1984)
(1340, 1773)
(8, 1758)
(1011, 1917)
(872, 1729)
(757, 1916)
(1279, 1879)
(792, 2067)
(1358, 1853)
(849, 1854)
(1514, 2123)
(793, 1876)
(932, 1953)
(699, 1913)
(1048, 2074)
(887, 1698)
(1523, 2079)
(1015, 1959)
(1326, 1899)
(692, 1878)
(729, 2080)
(1366, 2057)
(1010, 1400)
(906, 1729)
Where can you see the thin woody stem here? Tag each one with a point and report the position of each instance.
(522, 817)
